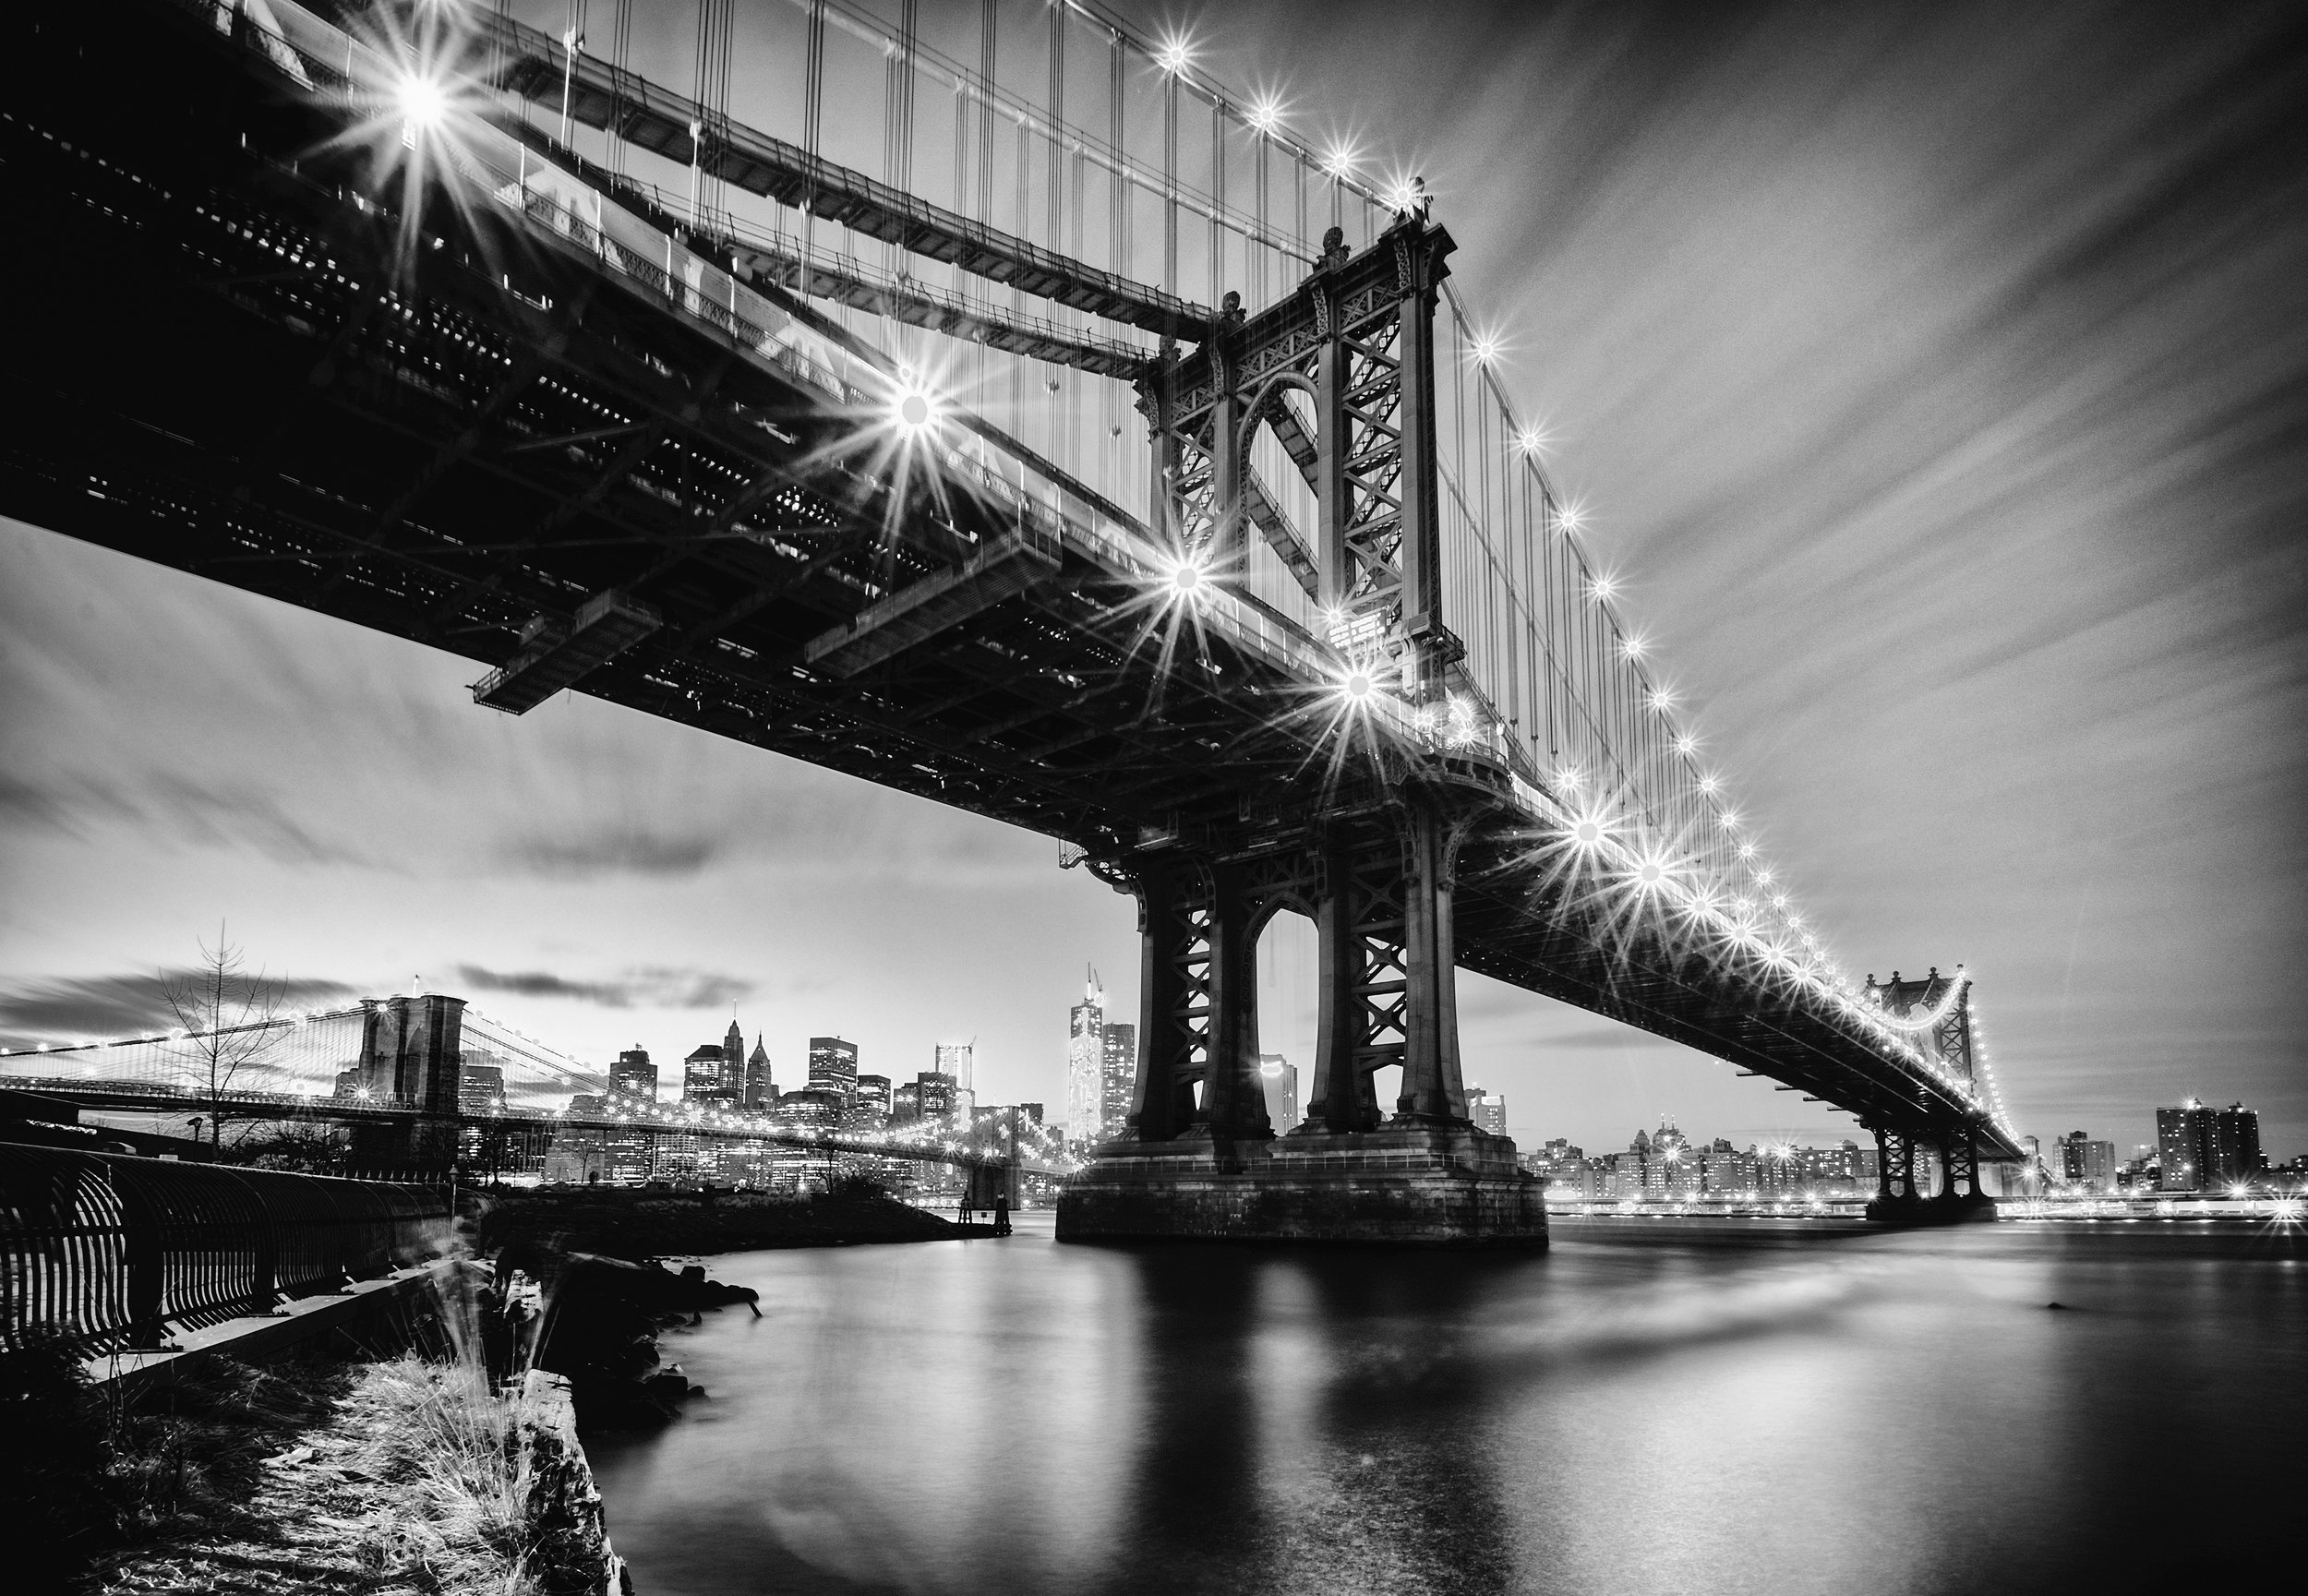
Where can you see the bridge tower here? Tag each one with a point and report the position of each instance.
(1342, 374)
(412, 1057)
(1904, 1146)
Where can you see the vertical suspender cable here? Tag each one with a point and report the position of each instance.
(1169, 182)
(813, 111)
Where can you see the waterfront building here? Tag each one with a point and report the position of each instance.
(1488, 1113)
(761, 1092)
(1086, 1065)
(1729, 1170)
(2201, 1148)
(635, 1073)
(2087, 1165)
(833, 1066)
(1575, 1180)
(1279, 1078)
(906, 1104)
(1118, 1080)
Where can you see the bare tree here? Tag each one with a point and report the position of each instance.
(229, 1018)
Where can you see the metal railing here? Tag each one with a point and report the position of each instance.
(112, 1252)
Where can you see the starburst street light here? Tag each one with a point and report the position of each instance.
(1173, 55)
(1265, 114)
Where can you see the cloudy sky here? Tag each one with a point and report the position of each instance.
(1937, 375)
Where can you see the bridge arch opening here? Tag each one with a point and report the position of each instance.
(1289, 987)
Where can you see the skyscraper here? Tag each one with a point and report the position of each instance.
(1281, 1079)
(761, 1092)
(702, 1079)
(958, 1060)
(1086, 1056)
(1118, 1080)
(870, 1108)
(2203, 1150)
(635, 1073)
(834, 1066)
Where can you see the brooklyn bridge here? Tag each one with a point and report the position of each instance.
(1143, 481)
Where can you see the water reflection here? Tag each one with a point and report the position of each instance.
(1856, 1412)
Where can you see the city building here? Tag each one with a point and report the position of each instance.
(633, 1072)
(480, 1087)
(870, 1107)
(1279, 1077)
(1118, 1080)
(2087, 1165)
(933, 1095)
(1488, 1113)
(833, 1066)
(703, 1074)
(1086, 1065)
(906, 1104)
(1029, 1112)
(2202, 1148)
(817, 1106)
(761, 1092)
(959, 1062)
(1728, 1170)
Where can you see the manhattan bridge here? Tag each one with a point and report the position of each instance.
(996, 406)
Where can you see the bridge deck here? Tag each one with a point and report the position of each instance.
(252, 363)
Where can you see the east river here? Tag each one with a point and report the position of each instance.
(1644, 1408)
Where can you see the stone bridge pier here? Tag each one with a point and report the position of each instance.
(1899, 1183)
(1200, 1158)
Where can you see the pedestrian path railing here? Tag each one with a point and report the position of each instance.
(116, 1254)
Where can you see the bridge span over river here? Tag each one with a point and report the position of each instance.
(1258, 601)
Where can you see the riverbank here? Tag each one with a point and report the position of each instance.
(303, 1475)
(639, 1224)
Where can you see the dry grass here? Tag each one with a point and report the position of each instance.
(418, 1478)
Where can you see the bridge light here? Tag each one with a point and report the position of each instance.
(914, 409)
(1634, 647)
(1530, 440)
(1357, 686)
(1173, 55)
(1265, 114)
(423, 104)
(1707, 784)
(1603, 588)
(1661, 701)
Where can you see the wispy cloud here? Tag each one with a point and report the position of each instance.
(185, 811)
(124, 1004)
(619, 852)
(654, 987)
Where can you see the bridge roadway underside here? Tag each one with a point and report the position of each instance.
(237, 357)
